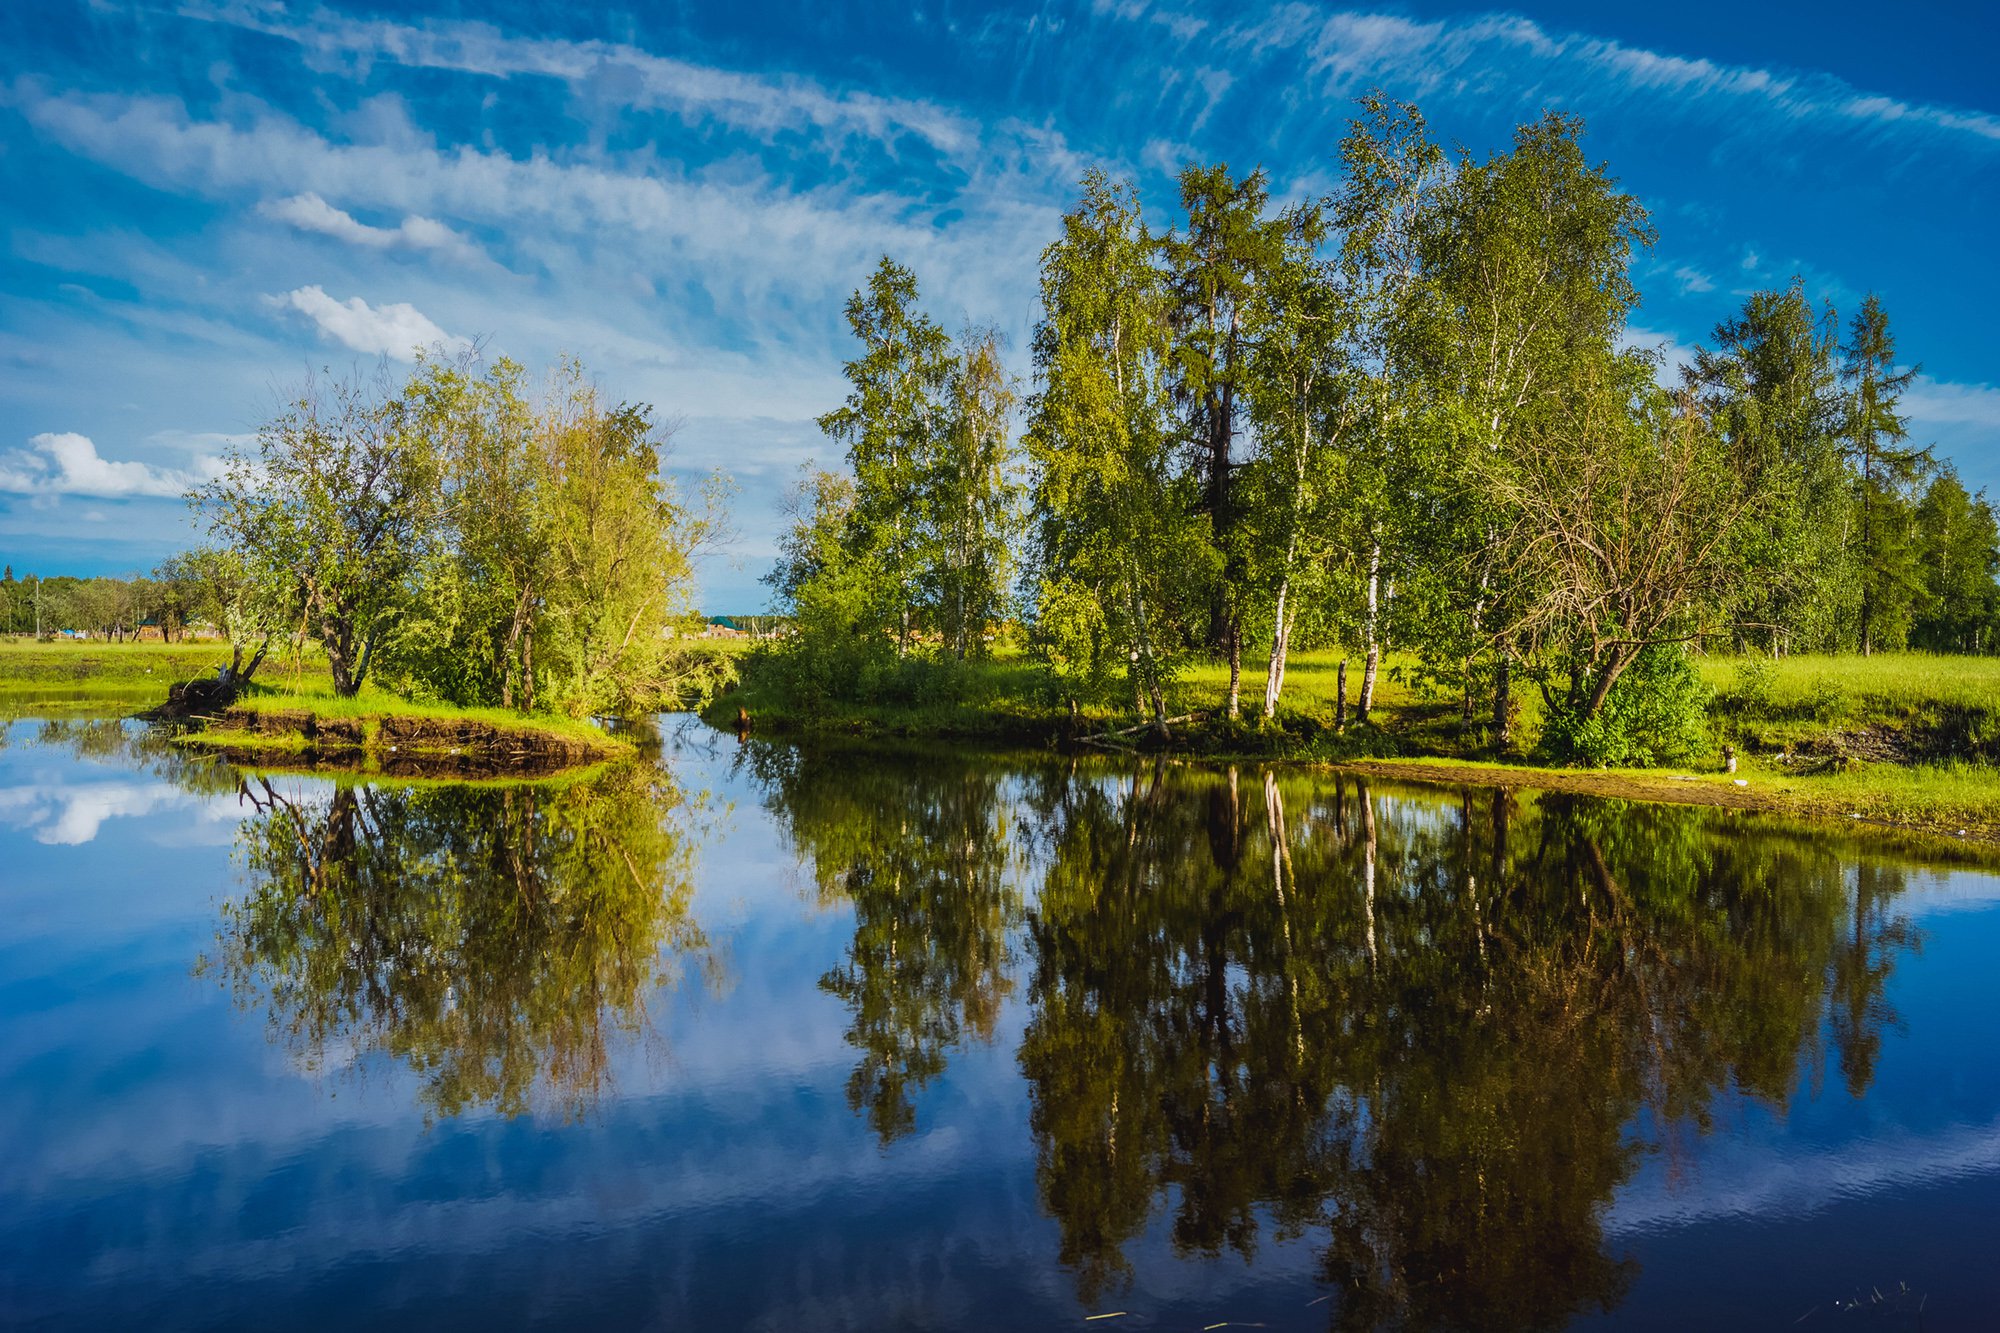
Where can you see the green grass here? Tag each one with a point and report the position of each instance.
(1884, 681)
(25, 665)
(1943, 711)
(316, 696)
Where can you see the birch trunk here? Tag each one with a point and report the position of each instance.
(1373, 661)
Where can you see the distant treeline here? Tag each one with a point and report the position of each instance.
(161, 605)
(1405, 413)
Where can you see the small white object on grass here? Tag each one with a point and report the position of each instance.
(1741, 782)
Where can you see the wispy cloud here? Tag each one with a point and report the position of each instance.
(65, 463)
(309, 212)
(764, 105)
(396, 329)
(1940, 403)
(1506, 56)
(1693, 279)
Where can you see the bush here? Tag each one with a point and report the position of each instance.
(1657, 713)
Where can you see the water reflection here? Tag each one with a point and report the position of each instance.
(922, 851)
(1426, 1037)
(1435, 1036)
(490, 938)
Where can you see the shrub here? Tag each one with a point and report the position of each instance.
(1657, 713)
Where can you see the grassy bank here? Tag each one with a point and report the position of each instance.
(290, 714)
(1906, 739)
(274, 718)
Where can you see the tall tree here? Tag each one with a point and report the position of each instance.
(1307, 398)
(1530, 259)
(1215, 268)
(975, 504)
(894, 425)
(1886, 470)
(1618, 513)
(338, 501)
(1771, 387)
(1958, 550)
(1384, 210)
(1120, 552)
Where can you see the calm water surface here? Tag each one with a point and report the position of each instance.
(755, 1037)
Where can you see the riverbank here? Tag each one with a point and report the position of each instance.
(1908, 740)
(289, 716)
(375, 732)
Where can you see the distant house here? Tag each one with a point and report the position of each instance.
(723, 627)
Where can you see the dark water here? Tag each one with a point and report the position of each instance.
(763, 1038)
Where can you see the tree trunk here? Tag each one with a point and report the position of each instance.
(1607, 675)
(361, 669)
(1281, 648)
(528, 662)
(1503, 702)
(1374, 657)
(1234, 634)
(1340, 699)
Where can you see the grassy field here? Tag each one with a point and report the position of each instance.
(1897, 738)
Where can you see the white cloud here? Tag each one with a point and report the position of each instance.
(69, 816)
(756, 104)
(309, 212)
(1940, 402)
(1693, 279)
(397, 329)
(65, 463)
(1497, 55)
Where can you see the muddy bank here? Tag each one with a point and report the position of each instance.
(391, 744)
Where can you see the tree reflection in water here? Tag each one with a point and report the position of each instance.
(490, 938)
(921, 849)
(1435, 1034)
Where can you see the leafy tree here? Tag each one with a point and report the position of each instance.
(975, 497)
(1307, 399)
(1958, 550)
(894, 425)
(1618, 514)
(1384, 210)
(1771, 387)
(622, 551)
(917, 539)
(337, 505)
(1120, 560)
(1529, 258)
(1214, 270)
(1886, 472)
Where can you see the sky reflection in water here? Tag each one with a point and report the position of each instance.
(769, 1038)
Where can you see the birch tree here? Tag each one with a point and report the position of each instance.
(1119, 559)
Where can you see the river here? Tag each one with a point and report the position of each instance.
(750, 1036)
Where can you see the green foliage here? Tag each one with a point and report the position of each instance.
(1772, 391)
(1656, 713)
(1958, 549)
(1753, 690)
(477, 546)
(1121, 562)
(1886, 472)
(494, 939)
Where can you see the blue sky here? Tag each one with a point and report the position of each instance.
(202, 200)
